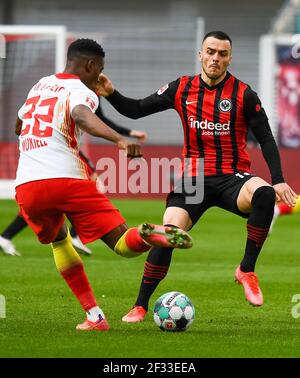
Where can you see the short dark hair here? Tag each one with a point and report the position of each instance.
(218, 35)
(85, 46)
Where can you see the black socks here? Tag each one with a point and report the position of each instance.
(258, 225)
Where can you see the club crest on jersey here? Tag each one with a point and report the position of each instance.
(162, 89)
(90, 102)
(225, 105)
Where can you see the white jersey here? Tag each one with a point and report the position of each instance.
(49, 139)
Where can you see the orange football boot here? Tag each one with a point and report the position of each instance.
(251, 286)
(165, 236)
(137, 314)
(99, 325)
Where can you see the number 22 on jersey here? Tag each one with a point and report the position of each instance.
(39, 128)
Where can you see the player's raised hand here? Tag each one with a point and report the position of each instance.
(104, 86)
(133, 150)
(285, 194)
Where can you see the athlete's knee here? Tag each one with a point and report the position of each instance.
(264, 197)
(177, 217)
(61, 235)
(46, 241)
(111, 239)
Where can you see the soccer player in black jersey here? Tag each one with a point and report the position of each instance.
(216, 110)
(19, 223)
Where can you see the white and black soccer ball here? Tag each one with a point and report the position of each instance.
(174, 311)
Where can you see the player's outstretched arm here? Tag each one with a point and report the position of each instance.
(88, 122)
(272, 157)
(259, 124)
(141, 136)
(137, 108)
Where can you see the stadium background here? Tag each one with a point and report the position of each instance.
(147, 45)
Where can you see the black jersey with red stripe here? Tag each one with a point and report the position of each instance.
(215, 122)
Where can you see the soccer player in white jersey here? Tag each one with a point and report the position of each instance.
(52, 180)
(18, 223)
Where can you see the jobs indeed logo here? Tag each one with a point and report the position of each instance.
(208, 127)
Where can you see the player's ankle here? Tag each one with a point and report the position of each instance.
(144, 307)
(94, 314)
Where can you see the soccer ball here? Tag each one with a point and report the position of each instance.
(173, 311)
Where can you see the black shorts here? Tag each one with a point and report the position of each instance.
(219, 190)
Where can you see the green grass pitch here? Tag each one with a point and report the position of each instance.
(41, 313)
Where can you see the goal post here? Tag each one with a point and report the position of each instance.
(27, 54)
(57, 33)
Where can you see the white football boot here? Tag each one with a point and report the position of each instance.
(8, 247)
(80, 247)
